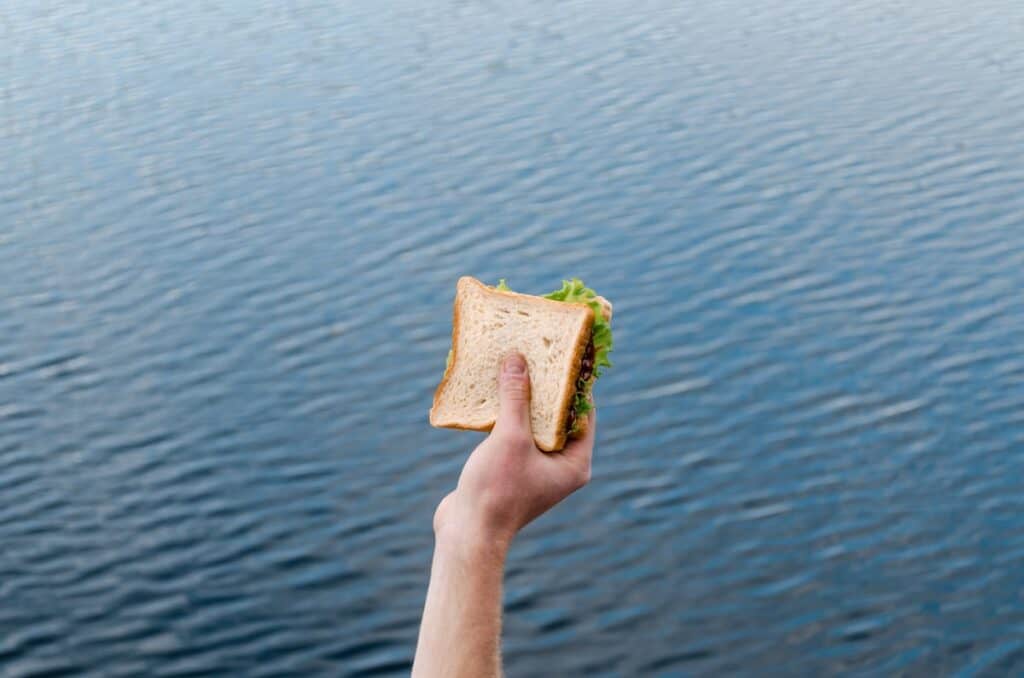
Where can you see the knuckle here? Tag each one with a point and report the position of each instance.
(583, 475)
(516, 438)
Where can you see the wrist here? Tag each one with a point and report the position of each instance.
(461, 529)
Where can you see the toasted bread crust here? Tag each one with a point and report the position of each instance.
(454, 356)
(565, 398)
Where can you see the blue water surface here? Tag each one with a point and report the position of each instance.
(229, 239)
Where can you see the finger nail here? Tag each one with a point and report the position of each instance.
(514, 365)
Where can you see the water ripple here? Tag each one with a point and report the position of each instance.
(228, 249)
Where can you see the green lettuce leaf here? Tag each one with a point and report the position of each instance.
(574, 291)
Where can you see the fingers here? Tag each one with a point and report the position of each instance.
(579, 452)
(514, 399)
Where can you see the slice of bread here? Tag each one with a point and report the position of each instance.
(488, 325)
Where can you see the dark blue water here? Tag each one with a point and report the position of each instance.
(229, 238)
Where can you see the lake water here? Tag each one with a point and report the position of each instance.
(229, 240)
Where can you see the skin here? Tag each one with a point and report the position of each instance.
(505, 484)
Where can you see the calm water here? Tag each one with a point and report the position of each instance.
(229, 239)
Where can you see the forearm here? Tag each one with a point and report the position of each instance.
(461, 629)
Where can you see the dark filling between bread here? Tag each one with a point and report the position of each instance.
(586, 371)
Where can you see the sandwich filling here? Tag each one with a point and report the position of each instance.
(583, 384)
(595, 356)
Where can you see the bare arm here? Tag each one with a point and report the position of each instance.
(506, 483)
(461, 625)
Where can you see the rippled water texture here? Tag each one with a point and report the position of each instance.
(229, 239)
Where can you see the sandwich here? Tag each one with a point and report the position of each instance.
(565, 337)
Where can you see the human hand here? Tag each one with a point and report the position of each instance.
(507, 481)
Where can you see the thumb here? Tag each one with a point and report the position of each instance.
(514, 398)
